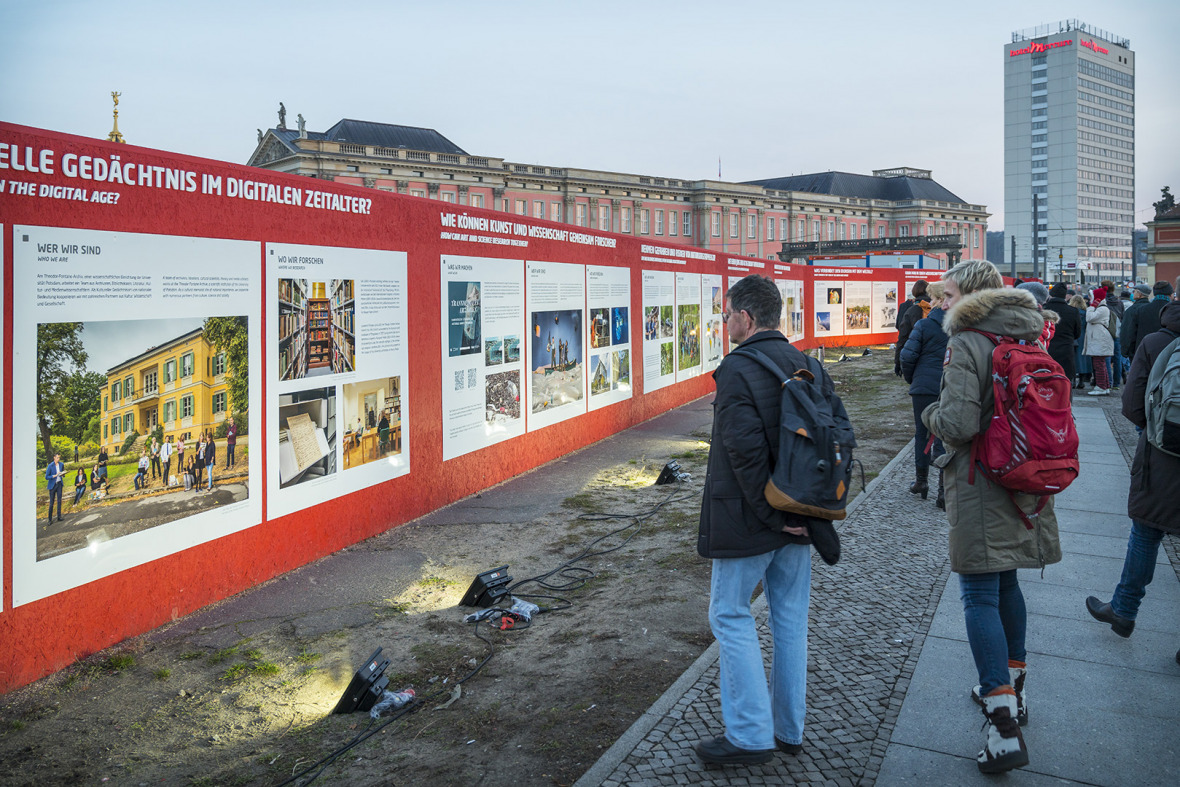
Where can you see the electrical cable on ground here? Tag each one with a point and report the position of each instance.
(575, 577)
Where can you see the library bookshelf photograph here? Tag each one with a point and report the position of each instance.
(316, 328)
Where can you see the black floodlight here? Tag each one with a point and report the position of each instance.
(366, 686)
(671, 473)
(866, 352)
(487, 588)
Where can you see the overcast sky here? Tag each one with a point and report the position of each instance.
(652, 87)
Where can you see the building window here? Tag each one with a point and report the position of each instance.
(169, 410)
(802, 230)
(733, 225)
(417, 192)
(116, 389)
(149, 382)
(686, 224)
(580, 214)
(672, 219)
(538, 209)
(555, 211)
(170, 371)
(864, 231)
(218, 364)
(975, 238)
(831, 230)
(604, 217)
(219, 402)
(643, 221)
(114, 426)
(186, 365)
(752, 225)
(105, 403)
(104, 433)
(770, 228)
(186, 406)
(448, 196)
(815, 230)
(625, 220)
(477, 200)
(522, 207)
(129, 387)
(840, 231)
(128, 422)
(904, 230)
(659, 222)
(715, 221)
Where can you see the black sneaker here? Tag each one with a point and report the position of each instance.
(789, 748)
(720, 751)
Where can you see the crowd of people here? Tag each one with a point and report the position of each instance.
(1103, 338)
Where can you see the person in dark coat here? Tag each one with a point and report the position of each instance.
(1155, 488)
(750, 542)
(1063, 345)
(1142, 295)
(906, 320)
(1145, 320)
(921, 366)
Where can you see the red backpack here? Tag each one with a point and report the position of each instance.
(1031, 445)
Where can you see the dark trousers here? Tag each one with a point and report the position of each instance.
(155, 466)
(55, 494)
(167, 470)
(229, 457)
(922, 434)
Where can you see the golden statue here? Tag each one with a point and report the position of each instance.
(115, 136)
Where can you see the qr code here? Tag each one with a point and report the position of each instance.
(460, 376)
(471, 377)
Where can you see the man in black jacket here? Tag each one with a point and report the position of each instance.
(1155, 488)
(908, 315)
(1144, 320)
(750, 542)
(1069, 328)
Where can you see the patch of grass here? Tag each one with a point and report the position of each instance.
(307, 656)
(265, 668)
(16, 725)
(224, 654)
(254, 654)
(191, 655)
(584, 501)
(120, 662)
(436, 583)
(163, 674)
(391, 609)
(235, 673)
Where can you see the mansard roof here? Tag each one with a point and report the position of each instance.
(385, 135)
(847, 184)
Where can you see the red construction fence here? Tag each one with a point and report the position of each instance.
(380, 356)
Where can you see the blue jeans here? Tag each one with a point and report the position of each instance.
(1138, 569)
(141, 479)
(1116, 363)
(755, 713)
(993, 608)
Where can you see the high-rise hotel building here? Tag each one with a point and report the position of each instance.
(1069, 152)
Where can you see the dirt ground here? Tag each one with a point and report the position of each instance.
(215, 708)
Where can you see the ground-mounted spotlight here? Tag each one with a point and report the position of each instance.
(843, 358)
(366, 686)
(866, 352)
(671, 474)
(487, 588)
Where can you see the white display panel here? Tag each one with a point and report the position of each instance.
(135, 314)
(338, 361)
(791, 322)
(829, 309)
(608, 301)
(712, 330)
(556, 343)
(483, 355)
(884, 306)
(688, 325)
(858, 307)
(659, 329)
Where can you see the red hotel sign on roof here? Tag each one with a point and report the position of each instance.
(1095, 47)
(1034, 47)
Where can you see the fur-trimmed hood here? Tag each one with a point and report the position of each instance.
(1007, 312)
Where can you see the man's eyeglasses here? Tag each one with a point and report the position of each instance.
(726, 315)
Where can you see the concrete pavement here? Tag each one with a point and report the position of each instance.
(890, 669)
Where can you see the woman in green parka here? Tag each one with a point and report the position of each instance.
(988, 537)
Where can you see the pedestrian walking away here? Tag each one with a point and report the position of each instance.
(1070, 324)
(749, 541)
(908, 315)
(1155, 488)
(921, 366)
(1099, 341)
(989, 539)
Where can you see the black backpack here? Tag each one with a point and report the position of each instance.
(814, 468)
